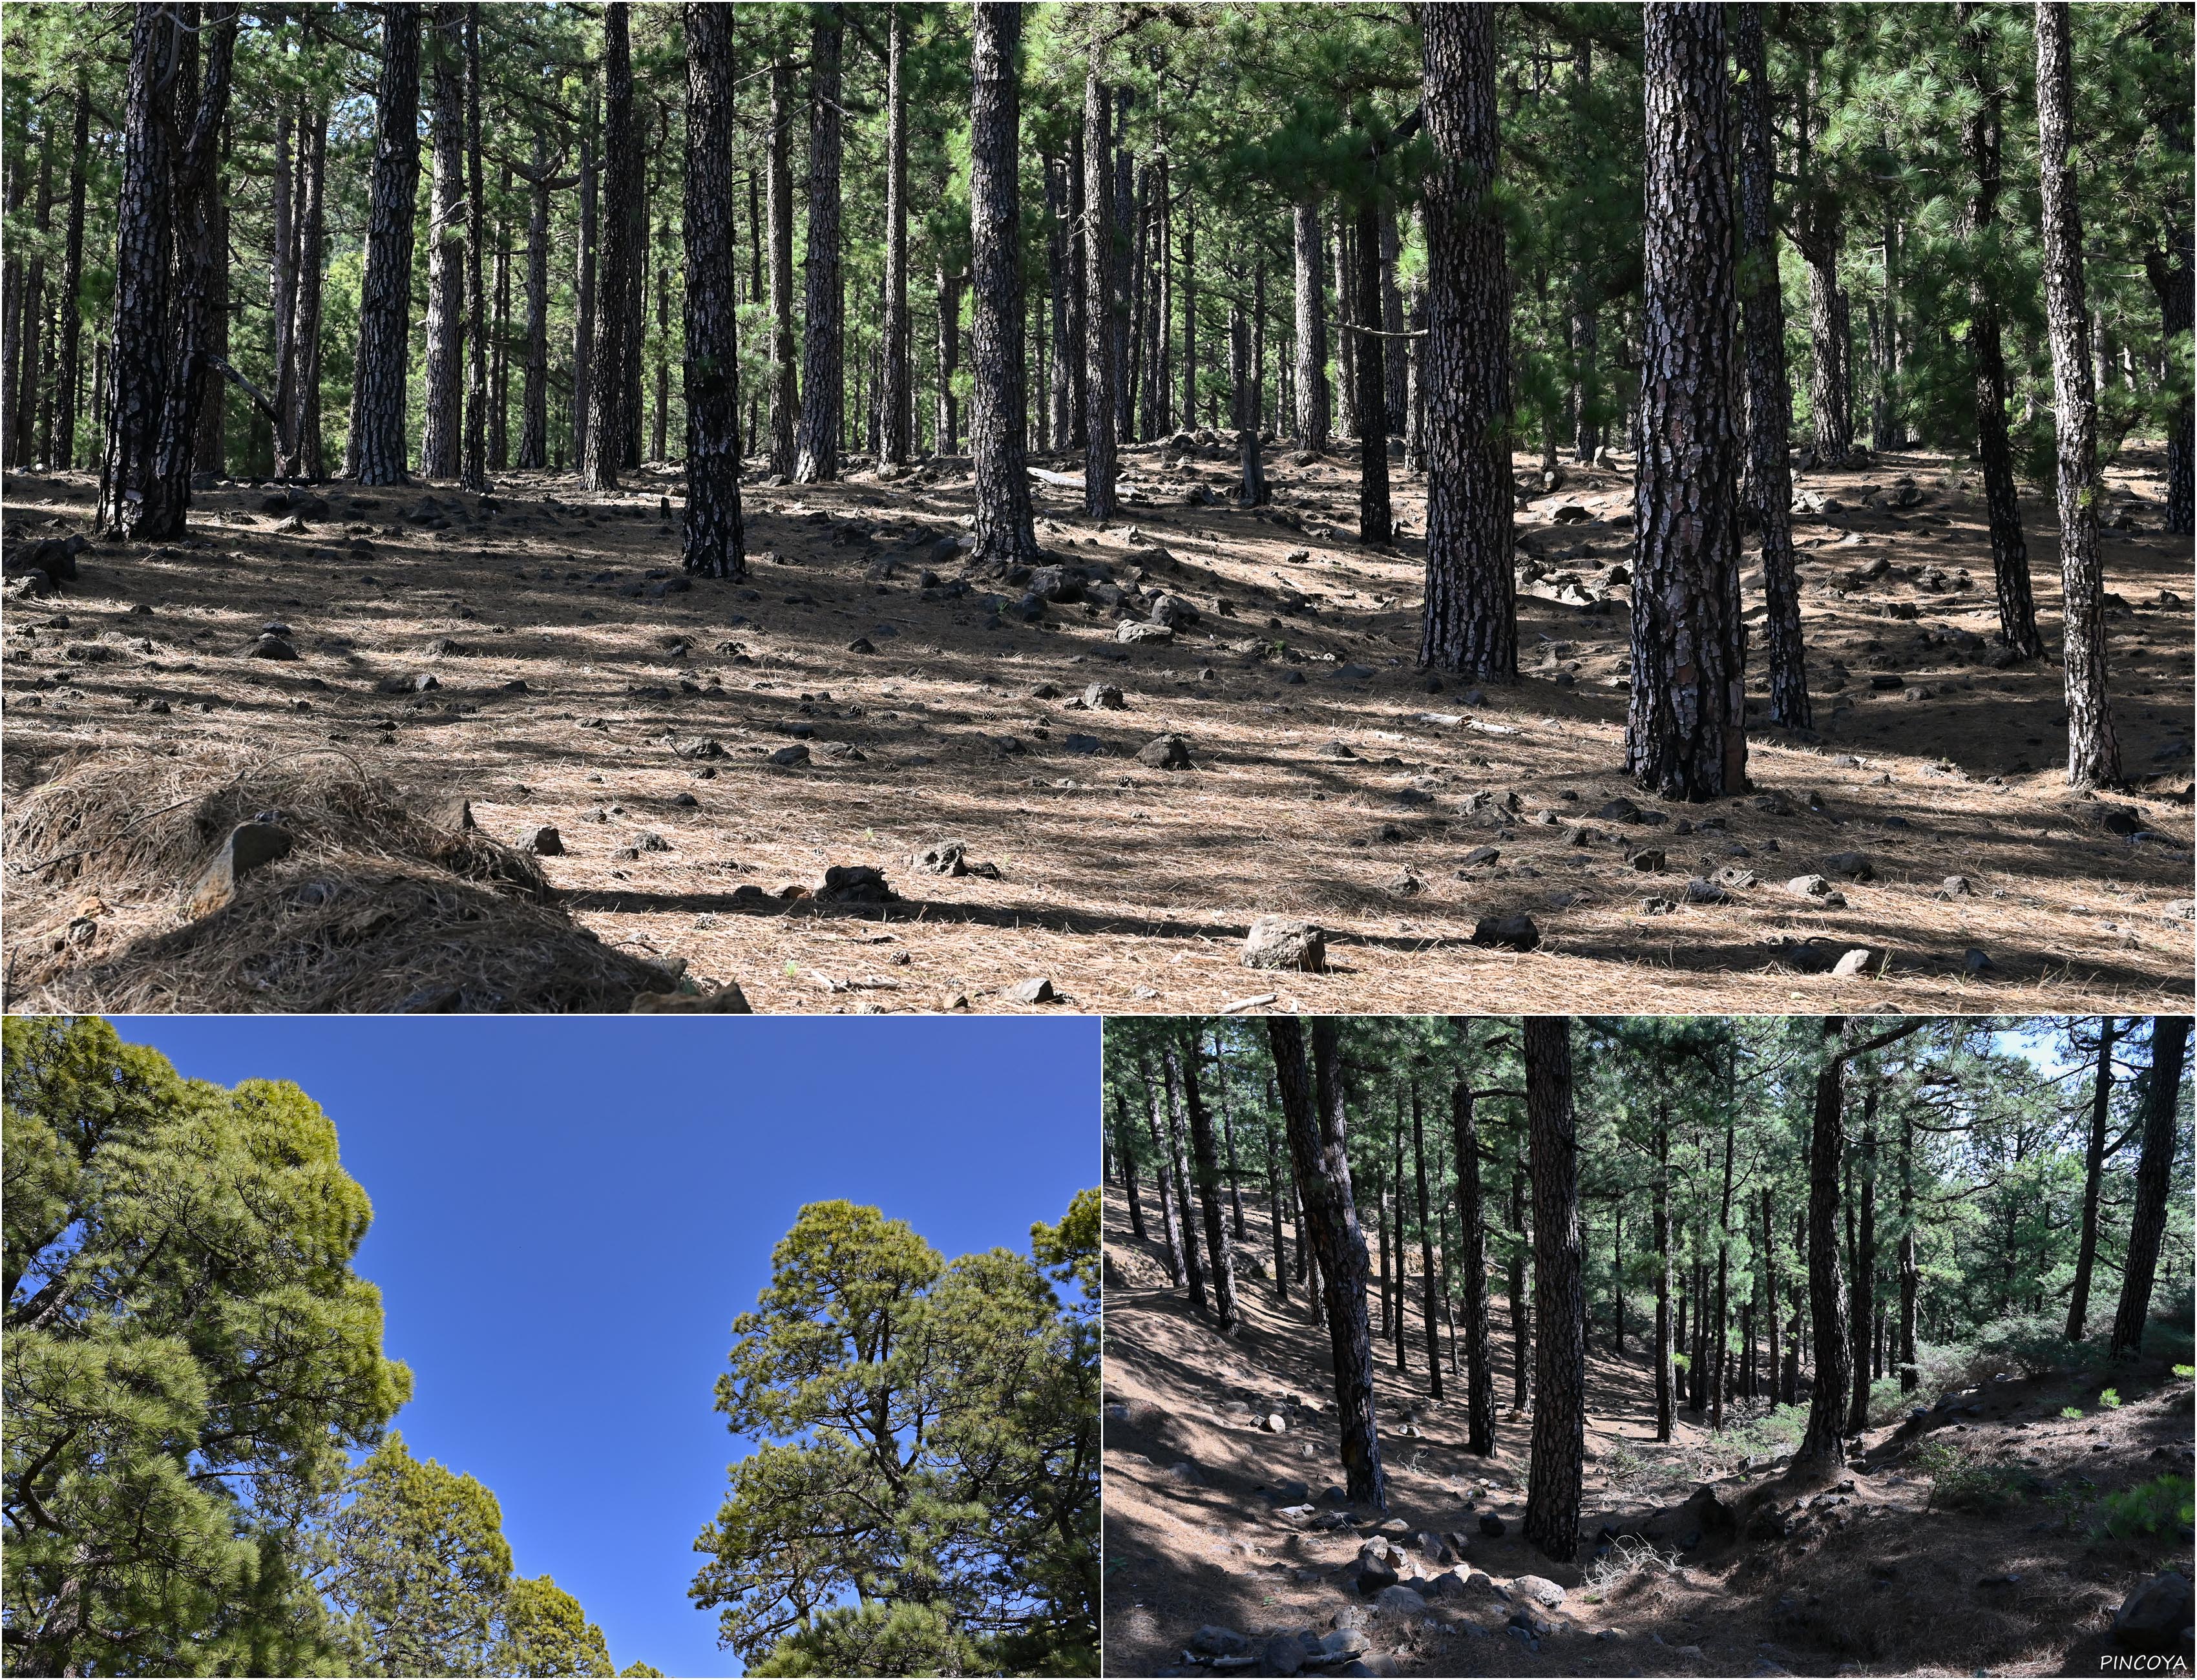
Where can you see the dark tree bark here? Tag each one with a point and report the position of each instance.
(1428, 1290)
(1228, 1141)
(2171, 264)
(202, 267)
(1059, 236)
(604, 446)
(1375, 522)
(1472, 1267)
(633, 331)
(1275, 1214)
(1125, 199)
(534, 387)
(1099, 309)
(1243, 415)
(714, 542)
(948, 439)
(784, 383)
(1864, 1262)
(142, 218)
(1769, 392)
(1346, 319)
(1220, 1252)
(823, 372)
(584, 309)
(1981, 132)
(1311, 322)
(29, 345)
(2094, 758)
(439, 440)
(499, 336)
(1666, 1395)
(70, 380)
(1723, 1282)
(2170, 1038)
(897, 390)
(1392, 322)
(299, 453)
(1522, 1315)
(1686, 726)
(1819, 234)
(1312, 1110)
(209, 439)
(2094, 1161)
(1552, 1490)
(376, 449)
(1470, 623)
(996, 404)
(1189, 308)
(1911, 1273)
(1396, 1189)
(1771, 1318)
(1178, 1163)
(1073, 353)
(472, 464)
(1125, 1152)
(1171, 1215)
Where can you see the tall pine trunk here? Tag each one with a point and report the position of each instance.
(472, 464)
(1311, 324)
(299, 453)
(1864, 1262)
(1552, 1489)
(784, 383)
(1981, 135)
(70, 379)
(896, 391)
(1375, 524)
(1100, 269)
(2094, 758)
(1666, 1396)
(376, 449)
(1243, 413)
(1686, 725)
(1430, 1290)
(143, 222)
(1312, 1110)
(2170, 1038)
(2094, 1161)
(440, 440)
(1171, 1213)
(1769, 391)
(604, 448)
(1220, 1252)
(713, 540)
(996, 400)
(1471, 614)
(947, 440)
(1472, 1267)
(823, 349)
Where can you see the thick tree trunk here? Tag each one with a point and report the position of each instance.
(439, 440)
(2094, 1161)
(1552, 1489)
(1823, 1447)
(69, 381)
(2170, 1037)
(1312, 1108)
(1430, 1292)
(1470, 615)
(1375, 522)
(2094, 758)
(1099, 309)
(607, 378)
(1686, 726)
(823, 373)
(1769, 392)
(1981, 133)
(201, 255)
(1311, 324)
(996, 404)
(1220, 1252)
(472, 464)
(1243, 415)
(897, 388)
(376, 449)
(142, 218)
(1665, 1397)
(714, 542)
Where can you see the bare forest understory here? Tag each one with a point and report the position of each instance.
(1206, 1524)
(706, 754)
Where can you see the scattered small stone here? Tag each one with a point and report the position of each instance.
(546, 843)
(1871, 960)
(1508, 933)
(1285, 942)
(249, 846)
(790, 756)
(1649, 860)
(1036, 990)
(1165, 752)
(1103, 697)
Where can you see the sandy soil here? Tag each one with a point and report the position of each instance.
(1329, 778)
(1871, 1579)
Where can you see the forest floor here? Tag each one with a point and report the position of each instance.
(1327, 778)
(1871, 1576)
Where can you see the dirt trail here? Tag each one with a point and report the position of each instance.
(1329, 778)
(1865, 1578)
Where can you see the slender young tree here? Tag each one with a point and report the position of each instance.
(823, 350)
(299, 453)
(1311, 1111)
(1470, 622)
(1982, 133)
(1430, 1290)
(2094, 758)
(2169, 1043)
(1552, 1489)
(784, 385)
(897, 397)
(1686, 734)
(996, 403)
(1099, 309)
(70, 375)
(472, 466)
(1375, 521)
(2094, 1161)
(1220, 1252)
(1472, 1264)
(1769, 392)
(1172, 1216)
(713, 539)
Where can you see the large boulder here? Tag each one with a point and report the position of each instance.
(2156, 1617)
(1283, 943)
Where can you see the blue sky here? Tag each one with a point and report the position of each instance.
(568, 1213)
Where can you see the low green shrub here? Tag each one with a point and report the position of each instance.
(2155, 1507)
(1960, 1480)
